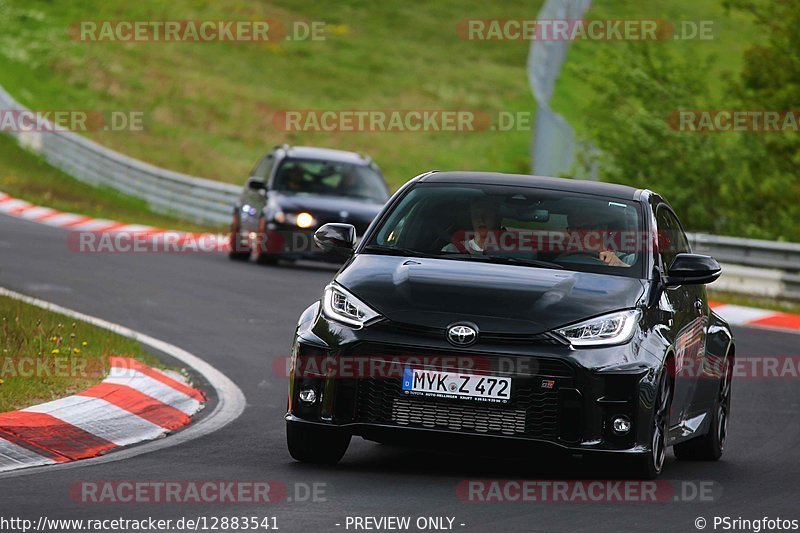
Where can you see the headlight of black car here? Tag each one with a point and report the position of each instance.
(341, 306)
(613, 328)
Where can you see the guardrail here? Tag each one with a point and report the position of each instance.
(749, 252)
(751, 266)
(189, 197)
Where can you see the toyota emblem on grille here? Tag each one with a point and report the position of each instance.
(462, 335)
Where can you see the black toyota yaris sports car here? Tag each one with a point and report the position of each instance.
(518, 308)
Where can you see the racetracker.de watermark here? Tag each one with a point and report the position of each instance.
(734, 120)
(76, 120)
(592, 491)
(693, 362)
(180, 242)
(584, 30)
(758, 367)
(562, 241)
(401, 120)
(142, 242)
(205, 491)
(197, 31)
(388, 367)
(53, 366)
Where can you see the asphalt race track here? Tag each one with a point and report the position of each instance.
(240, 318)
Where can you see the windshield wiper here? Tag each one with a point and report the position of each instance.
(391, 250)
(511, 260)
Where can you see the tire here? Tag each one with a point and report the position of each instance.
(650, 465)
(315, 444)
(238, 256)
(709, 447)
(238, 251)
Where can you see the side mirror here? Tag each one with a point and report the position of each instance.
(256, 184)
(336, 237)
(692, 269)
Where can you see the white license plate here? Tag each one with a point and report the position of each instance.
(456, 385)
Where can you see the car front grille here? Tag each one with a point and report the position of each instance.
(530, 413)
(406, 412)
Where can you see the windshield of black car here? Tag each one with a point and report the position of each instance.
(330, 178)
(540, 227)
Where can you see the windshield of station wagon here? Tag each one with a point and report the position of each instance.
(311, 176)
(522, 226)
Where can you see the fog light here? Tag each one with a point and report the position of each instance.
(308, 396)
(621, 425)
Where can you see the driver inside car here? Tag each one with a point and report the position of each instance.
(294, 180)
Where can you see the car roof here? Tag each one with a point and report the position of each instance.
(542, 182)
(327, 154)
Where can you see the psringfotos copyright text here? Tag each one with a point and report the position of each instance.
(755, 525)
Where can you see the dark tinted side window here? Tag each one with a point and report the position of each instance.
(671, 238)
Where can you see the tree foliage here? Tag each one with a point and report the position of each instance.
(734, 183)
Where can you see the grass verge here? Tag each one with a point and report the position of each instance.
(208, 108)
(45, 355)
(27, 176)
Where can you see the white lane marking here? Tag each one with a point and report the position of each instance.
(739, 315)
(13, 457)
(100, 418)
(230, 398)
(153, 388)
(46, 287)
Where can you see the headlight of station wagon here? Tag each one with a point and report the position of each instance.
(338, 304)
(614, 328)
(301, 220)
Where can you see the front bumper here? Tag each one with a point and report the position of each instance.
(560, 396)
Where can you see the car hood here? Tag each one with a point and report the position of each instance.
(333, 206)
(497, 298)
